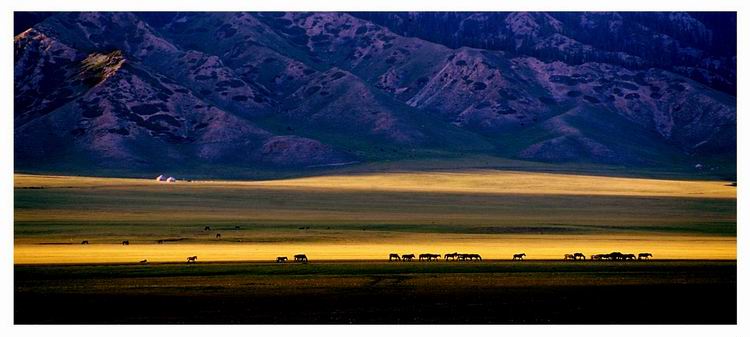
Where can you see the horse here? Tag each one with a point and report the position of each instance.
(472, 257)
(192, 259)
(616, 256)
(453, 256)
(144, 261)
(435, 257)
(159, 241)
(429, 257)
(218, 236)
(518, 256)
(644, 256)
(281, 259)
(236, 228)
(300, 258)
(85, 242)
(597, 257)
(407, 257)
(628, 256)
(125, 243)
(463, 257)
(393, 256)
(207, 228)
(569, 257)
(577, 255)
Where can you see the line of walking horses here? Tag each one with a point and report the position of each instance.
(435, 257)
(614, 256)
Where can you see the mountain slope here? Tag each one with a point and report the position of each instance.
(141, 91)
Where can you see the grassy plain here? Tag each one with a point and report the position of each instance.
(367, 216)
(345, 222)
(687, 292)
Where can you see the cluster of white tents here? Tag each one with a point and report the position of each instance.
(162, 178)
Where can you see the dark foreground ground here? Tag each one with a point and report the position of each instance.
(556, 292)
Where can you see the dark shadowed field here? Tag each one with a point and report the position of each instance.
(687, 292)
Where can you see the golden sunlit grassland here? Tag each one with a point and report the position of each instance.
(366, 216)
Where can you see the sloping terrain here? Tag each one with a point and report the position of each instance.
(144, 91)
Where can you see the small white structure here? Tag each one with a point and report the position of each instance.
(171, 179)
(161, 177)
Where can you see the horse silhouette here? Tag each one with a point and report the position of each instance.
(519, 256)
(236, 227)
(144, 261)
(192, 259)
(393, 256)
(644, 256)
(597, 256)
(159, 241)
(125, 243)
(429, 257)
(407, 257)
(628, 256)
(569, 257)
(281, 259)
(616, 256)
(218, 236)
(207, 228)
(473, 257)
(577, 255)
(85, 242)
(453, 256)
(300, 258)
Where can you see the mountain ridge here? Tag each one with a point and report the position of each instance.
(299, 90)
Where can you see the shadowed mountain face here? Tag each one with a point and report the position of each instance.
(144, 91)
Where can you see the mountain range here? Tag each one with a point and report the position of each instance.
(139, 92)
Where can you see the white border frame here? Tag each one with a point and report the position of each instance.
(6, 162)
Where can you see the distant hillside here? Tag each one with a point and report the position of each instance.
(139, 92)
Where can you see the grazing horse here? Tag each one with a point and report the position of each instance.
(125, 243)
(300, 258)
(159, 241)
(453, 256)
(393, 256)
(644, 256)
(207, 228)
(429, 257)
(569, 257)
(597, 257)
(577, 255)
(192, 259)
(85, 242)
(628, 256)
(616, 256)
(218, 236)
(472, 257)
(236, 227)
(435, 257)
(281, 259)
(144, 261)
(407, 257)
(518, 256)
